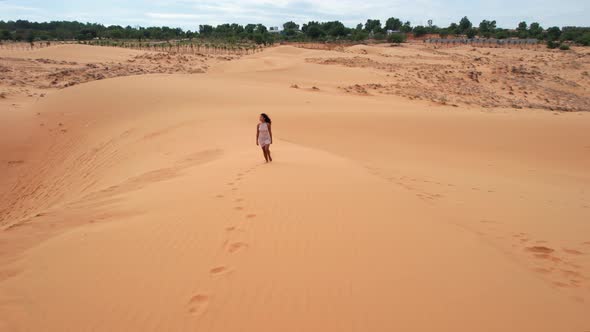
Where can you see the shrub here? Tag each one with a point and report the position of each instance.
(584, 39)
(564, 47)
(397, 38)
(379, 36)
(552, 44)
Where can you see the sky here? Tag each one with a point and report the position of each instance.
(189, 14)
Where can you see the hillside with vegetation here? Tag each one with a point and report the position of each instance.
(392, 30)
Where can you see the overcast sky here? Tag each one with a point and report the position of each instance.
(188, 14)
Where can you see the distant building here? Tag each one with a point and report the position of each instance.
(274, 30)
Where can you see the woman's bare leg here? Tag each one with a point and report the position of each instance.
(268, 152)
(264, 152)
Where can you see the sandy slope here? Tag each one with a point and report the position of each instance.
(378, 214)
(74, 52)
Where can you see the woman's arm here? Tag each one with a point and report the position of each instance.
(257, 132)
(270, 132)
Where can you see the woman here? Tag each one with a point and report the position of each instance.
(264, 135)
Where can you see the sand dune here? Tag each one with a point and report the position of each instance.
(141, 203)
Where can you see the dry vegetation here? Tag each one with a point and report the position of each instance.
(34, 76)
(514, 78)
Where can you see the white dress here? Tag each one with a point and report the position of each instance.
(263, 134)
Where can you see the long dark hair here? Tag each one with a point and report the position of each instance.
(266, 118)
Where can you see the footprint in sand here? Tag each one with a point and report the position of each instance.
(230, 183)
(239, 208)
(219, 196)
(230, 228)
(234, 188)
(542, 270)
(219, 270)
(540, 250)
(572, 251)
(236, 246)
(488, 221)
(198, 304)
(561, 284)
(238, 200)
(571, 274)
(250, 216)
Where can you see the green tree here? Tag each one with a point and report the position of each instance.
(393, 24)
(464, 25)
(249, 28)
(205, 30)
(453, 29)
(373, 26)
(290, 29)
(30, 37)
(334, 29)
(406, 28)
(5, 35)
(553, 34)
(487, 28)
(584, 39)
(501, 34)
(312, 30)
(260, 28)
(87, 34)
(471, 32)
(535, 30)
(290, 26)
(522, 30)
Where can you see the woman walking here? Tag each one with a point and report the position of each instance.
(264, 136)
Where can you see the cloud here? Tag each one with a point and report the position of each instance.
(7, 6)
(173, 16)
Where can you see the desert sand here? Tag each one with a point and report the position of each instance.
(412, 189)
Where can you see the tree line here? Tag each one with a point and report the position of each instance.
(393, 30)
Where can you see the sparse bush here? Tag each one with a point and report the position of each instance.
(502, 34)
(564, 47)
(470, 32)
(379, 36)
(397, 38)
(419, 31)
(552, 44)
(584, 39)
